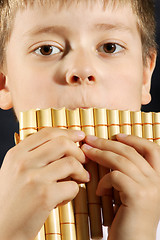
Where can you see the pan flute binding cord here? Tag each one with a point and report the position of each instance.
(81, 219)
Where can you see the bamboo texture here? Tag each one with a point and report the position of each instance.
(86, 208)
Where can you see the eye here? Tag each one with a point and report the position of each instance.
(47, 50)
(110, 48)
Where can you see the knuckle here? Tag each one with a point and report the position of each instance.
(20, 167)
(72, 163)
(17, 164)
(149, 193)
(80, 155)
(141, 195)
(11, 154)
(114, 175)
(63, 141)
(31, 179)
(44, 131)
(48, 131)
(129, 150)
(75, 188)
(154, 192)
(102, 141)
(119, 159)
(155, 152)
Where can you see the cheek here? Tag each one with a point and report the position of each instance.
(123, 78)
(24, 79)
(130, 84)
(129, 90)
(130, 73)
(26, 89)
(122, 87)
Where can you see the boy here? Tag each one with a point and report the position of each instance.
(77, 54)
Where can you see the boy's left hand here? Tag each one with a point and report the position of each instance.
(136, 175)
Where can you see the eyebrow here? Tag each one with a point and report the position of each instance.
(109, 27)
(38, 30)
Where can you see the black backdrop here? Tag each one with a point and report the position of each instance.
(8, 124)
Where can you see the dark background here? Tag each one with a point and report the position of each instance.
(8, 124)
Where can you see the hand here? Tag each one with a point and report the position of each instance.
(32, 180)
(136, 175)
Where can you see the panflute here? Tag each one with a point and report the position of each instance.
(83, 217)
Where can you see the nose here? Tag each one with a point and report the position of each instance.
(77, 77)
(81, 71)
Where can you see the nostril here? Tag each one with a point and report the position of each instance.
(91, 78)
(74, 79)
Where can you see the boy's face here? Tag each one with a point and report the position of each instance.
(76, 57)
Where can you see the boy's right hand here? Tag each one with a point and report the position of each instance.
(32, 180)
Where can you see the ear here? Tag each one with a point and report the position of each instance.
(149, 67)
(5, 95)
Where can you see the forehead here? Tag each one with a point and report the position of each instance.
(35, 21)
(16, 5)
(104, 12)
(67, 3)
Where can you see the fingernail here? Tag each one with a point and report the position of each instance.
(80, 133)
(86, 146)
(91, 138)
(122, 135)
(89, 176)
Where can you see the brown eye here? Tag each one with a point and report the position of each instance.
(47, 50)
(110, 48)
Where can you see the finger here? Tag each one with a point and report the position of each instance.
(149, 150)
(54, 150)
(48, 134)
(122, 183)
(124, 150)
(114, 161)
(65, 192)
(63, 168)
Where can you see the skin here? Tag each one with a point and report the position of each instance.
(136, 178)
(81, 73)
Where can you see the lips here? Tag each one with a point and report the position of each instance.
(82, 107)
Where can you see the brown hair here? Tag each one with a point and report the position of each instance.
(144, 9)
